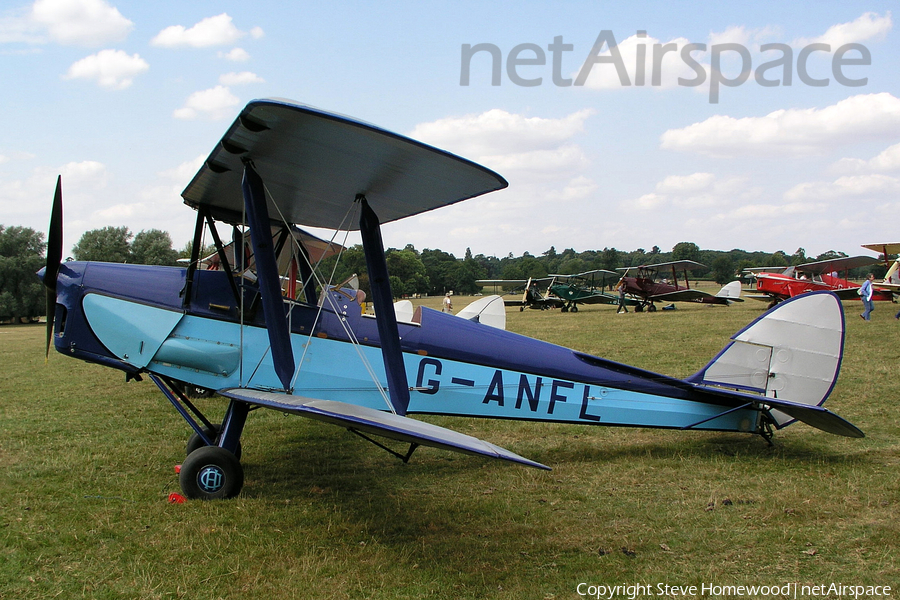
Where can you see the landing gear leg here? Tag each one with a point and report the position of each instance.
(212, 472)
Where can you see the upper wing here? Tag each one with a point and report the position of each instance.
(678, 265)
(484, 282)
(885, 248)
(315, 164)
(837, 264)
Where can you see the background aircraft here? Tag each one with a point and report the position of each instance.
(652, 285)
(891, 281)
(281, 165)
(564, 292)
(586, 288)
(529, 293)
(820, 275)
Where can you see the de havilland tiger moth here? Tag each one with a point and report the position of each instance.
(264, 331)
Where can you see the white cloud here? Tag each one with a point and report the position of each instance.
(183, 173)
(17, 155)
(497, 132)
(235, 55)
(858, 187)
(257, 33)
(18, 27)
(649, 201)
(869, 26)
(87, 173)
(887, 160)
(80, 22)
(794, 131)
(579, 187)
(215, 103)
(242, 78)
(211, 31)
(685, 183)
(111, 69)
(523, 148)
(695, 191)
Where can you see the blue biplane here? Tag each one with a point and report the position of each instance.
(263, 328)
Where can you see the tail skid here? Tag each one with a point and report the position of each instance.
(791, 356)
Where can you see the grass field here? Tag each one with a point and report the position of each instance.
(87, 463)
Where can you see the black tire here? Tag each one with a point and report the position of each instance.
(211, 473)
(195, 441)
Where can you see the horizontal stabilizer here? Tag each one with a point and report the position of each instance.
(818, 417)
(367, 420)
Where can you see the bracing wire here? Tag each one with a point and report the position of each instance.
(351, 335)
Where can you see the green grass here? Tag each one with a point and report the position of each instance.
(87, 462)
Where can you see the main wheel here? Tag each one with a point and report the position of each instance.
(211, 473)
(195, 441)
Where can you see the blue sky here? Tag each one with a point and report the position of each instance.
(125, 99)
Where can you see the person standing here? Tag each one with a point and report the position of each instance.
(448, 305)
(622, 306)
(865, 293)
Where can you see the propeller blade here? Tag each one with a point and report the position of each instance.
(54, 258)
(51, 313)
(54, 239)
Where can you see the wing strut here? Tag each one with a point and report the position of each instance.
(373, 247)
(267, 274)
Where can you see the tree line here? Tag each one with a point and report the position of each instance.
(412, 272)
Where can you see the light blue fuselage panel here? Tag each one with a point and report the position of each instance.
(219, 354)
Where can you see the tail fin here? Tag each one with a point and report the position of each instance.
(731, 291)
(489, 310)
(792, 355)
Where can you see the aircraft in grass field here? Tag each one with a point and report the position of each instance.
(891, 281)
(585, 288)
(564, 292)
(648, 287)
(534, 290)
(282, 165)
(820, 275)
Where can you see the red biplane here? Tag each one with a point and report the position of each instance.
(821, 275)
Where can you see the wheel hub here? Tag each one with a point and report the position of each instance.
(211, 479)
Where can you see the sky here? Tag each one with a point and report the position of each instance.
(762, 126)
